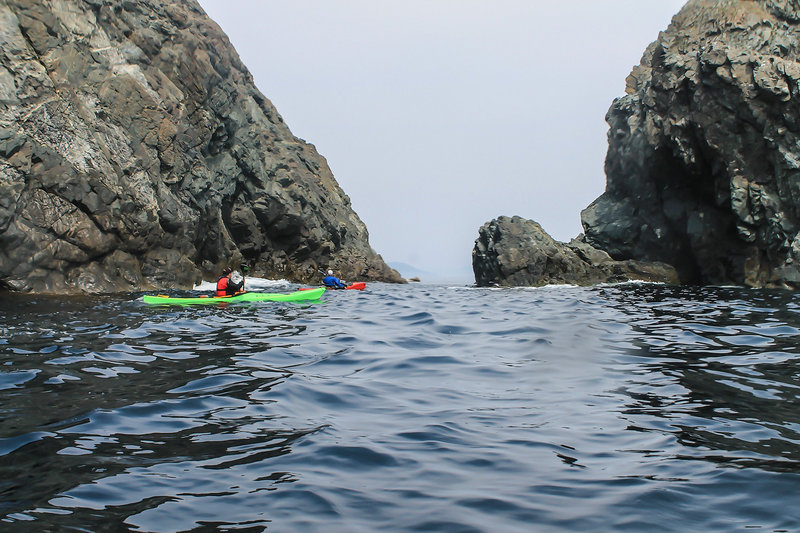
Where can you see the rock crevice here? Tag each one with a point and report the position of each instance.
(703, 163)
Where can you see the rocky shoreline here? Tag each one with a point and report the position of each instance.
(136, 153)
(703, 165)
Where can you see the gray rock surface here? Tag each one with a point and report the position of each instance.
(703, 165)
(136, 153)
(513, 251)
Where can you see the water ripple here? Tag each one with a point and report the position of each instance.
(405, 408)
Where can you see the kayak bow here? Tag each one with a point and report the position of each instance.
(297, 296)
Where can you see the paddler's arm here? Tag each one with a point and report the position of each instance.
(236, 288)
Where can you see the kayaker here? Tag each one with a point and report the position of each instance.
(226, 286)
(332, 282)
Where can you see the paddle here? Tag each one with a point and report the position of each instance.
(244, 270)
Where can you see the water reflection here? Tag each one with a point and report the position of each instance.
(92, 394)
(722, 369)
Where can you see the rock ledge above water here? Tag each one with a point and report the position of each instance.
(513, 251)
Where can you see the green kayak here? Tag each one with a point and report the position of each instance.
(297, 296)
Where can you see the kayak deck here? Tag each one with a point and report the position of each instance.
(297, 296)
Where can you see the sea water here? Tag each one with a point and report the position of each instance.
(413, 407)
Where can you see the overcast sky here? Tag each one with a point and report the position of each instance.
(437, 116)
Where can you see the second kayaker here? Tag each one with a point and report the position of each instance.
(332, 282)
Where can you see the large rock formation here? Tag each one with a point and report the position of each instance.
(703, 166)
(513, 251)
(136, 152)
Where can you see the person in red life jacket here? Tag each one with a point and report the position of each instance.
(226, 286)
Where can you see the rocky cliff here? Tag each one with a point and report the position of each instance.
(136, 152)
(703, 165)
(513, 251)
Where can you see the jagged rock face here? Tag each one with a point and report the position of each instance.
(136, 152)
(703, 165)
(512, 251)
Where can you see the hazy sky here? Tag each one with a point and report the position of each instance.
(437, 116)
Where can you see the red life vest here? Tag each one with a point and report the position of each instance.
(222, 286)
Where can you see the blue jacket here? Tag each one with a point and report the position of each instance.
(333, 282)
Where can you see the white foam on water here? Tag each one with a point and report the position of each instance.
(251, 284)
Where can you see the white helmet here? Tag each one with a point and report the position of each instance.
(330, 272)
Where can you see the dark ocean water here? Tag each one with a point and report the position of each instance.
(404, 408)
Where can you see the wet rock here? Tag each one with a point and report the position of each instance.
(513, 251)
(703, 162)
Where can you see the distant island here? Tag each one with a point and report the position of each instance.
(408, 271)
(412, 273)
